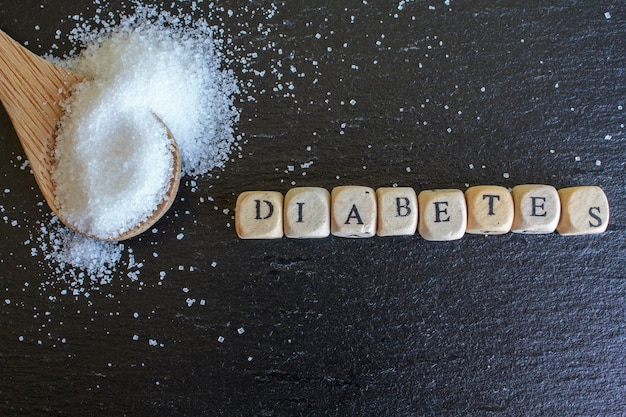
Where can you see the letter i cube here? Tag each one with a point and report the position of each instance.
(307, 212)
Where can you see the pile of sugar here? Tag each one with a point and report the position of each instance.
(114, 158)
(114, 164)
(146, 62)
(208, 37)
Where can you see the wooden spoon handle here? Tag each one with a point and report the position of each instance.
(31, 90)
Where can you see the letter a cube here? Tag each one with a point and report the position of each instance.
(353, 211)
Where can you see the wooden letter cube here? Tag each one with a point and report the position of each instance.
(584, 210)
(443, 214)
(353, 212)
(259, 215)
(307, 212)
(397, 211)
(489, 210)
(537, 208)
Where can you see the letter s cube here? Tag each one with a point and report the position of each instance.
(584, 210)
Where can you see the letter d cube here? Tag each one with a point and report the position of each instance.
(259, 215)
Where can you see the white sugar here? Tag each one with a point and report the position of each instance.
(114, 159)
(113, 154)
(114, 164)
(79, 261)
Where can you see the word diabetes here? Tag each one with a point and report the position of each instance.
(438, 215)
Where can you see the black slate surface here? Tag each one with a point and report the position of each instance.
(526, 92)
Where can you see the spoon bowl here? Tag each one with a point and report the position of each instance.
(32, 91)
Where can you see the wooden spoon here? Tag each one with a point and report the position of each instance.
(32, 90)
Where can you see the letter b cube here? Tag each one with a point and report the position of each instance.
(397, 211)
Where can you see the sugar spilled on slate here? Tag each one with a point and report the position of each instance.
(172, 64)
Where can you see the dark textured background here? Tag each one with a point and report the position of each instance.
(485, 326)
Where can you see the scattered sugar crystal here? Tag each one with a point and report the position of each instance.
(220, 339)
(78, 261)
(241, 330)
(598, 162)
(607, 15)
